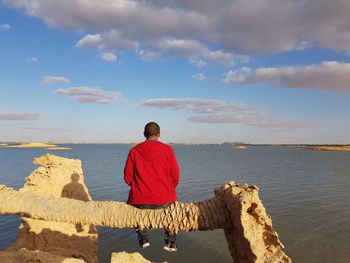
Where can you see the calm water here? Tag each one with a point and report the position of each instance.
(306, 193)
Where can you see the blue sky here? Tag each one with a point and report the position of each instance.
(262, 71)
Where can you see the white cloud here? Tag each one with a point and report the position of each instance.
(47, 80)
(196, 105)
(33, 59)
(218, 111)
(250, 120)
(90, 95)
(329, 75)
(198, 76)
(110, 40)
(219, 57)
(5, 26)
(198, 63)
(19, 116)
(60, 130)
(90, 41)
(108, 56)
(240, 27)
(196, 52)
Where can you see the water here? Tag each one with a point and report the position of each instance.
(306, 193)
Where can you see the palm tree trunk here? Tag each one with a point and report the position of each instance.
(206, 215)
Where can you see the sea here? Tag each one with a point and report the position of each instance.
(307, 194)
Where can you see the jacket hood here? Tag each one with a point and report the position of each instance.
(150, 149)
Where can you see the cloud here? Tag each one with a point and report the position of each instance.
(111, 40)
(108, 56)
(198, 63)
(250, 120)
(195, 105)
(19, 116)
(90, 95)
(5, 26)
(45, 129)
(32, 59)
(240, 27)
(219, 111)
(198, 76)
(47, 80)
(329, 75)
(196, 52)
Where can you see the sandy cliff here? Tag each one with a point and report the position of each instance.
(57, 177)
(343, 148)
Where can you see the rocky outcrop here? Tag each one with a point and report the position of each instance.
(251, 237)
(57, 177)
(23, 256)
(235, 208)
(124, 257)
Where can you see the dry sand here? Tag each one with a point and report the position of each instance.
(33, 145)
(344, 148)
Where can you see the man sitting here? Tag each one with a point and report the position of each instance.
(152, 172)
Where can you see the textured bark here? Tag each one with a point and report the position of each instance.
(206, 215)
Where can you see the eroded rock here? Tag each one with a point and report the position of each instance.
(124, 257)
(57, 177)
(251, 237)
(23, 256)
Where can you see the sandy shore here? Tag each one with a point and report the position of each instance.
(33, 145)
(344, 148)
(239, 147)
(46, 146)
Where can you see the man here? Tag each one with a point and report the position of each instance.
(152, 172)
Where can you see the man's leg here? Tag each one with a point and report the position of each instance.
(169, 241)
(142, 232)
(143, 237)
(169, 238)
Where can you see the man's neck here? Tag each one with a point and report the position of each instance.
(152, 138)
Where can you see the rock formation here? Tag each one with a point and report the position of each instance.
(57, 177)
(250, 237)
(235, 208)
(123, 257)
(28, 256)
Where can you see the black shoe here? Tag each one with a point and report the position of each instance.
(144, 243)
(170, 246)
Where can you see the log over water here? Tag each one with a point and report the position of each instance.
(206, 215)
(235, 208)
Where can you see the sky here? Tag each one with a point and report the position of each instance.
(208, 71)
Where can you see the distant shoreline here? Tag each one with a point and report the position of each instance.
(47, 146)
(54, 146)
(14, 143)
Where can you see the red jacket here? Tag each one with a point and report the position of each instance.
(152, 172)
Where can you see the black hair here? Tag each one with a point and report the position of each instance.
(151, 129)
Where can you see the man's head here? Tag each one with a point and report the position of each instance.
(152, 130)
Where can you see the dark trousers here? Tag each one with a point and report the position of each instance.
(142, 233)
